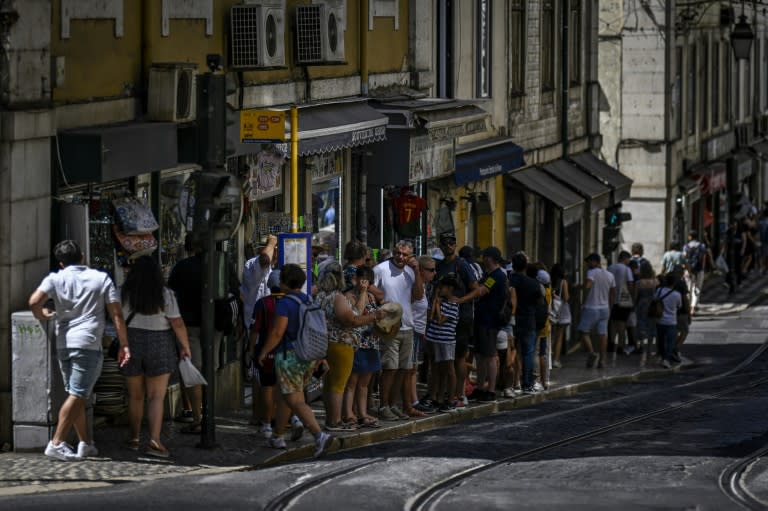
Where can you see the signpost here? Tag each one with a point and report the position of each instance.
(262, 126)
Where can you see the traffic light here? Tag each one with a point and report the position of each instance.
(214, 118)
(614, 215)
(214, 205)
(611, 235)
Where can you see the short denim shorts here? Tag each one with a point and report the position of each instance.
(594, 318)
(80, 369)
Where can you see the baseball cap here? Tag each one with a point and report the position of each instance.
(447, 236)
(593, 257)
(437, 254)
(543, 277)
(492, 252)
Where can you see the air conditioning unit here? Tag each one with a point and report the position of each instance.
(257, 35)
(320, 29)
(172, 94)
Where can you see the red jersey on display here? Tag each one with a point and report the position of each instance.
(409, 208)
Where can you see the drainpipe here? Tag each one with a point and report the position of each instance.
(364, 48)
(564, 78)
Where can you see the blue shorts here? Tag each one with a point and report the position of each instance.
(594, 318)
(80, 370)
(366, 361)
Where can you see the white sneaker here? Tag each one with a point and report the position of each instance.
(509, 392)
(62, 452)
(322, 443)
(464, 400)
(265, 429)
(277, 442)
(85, 450)
(538, 387)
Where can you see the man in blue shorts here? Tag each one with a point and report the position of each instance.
(601, 295)
(81, 296)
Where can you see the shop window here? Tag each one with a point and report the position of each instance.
(514, 220)
(517, 48)
(326, 170)
(445, 41)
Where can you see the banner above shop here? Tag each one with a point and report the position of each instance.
(430, 159)
(482, 163)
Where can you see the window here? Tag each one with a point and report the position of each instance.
(727, 83)
(677, 91)
(574, 46)
(704, 85)
(517, 47)
(747, 88)
(690, 102)
(548, 45)
(445, 49)
(715, 84)
(483, 49)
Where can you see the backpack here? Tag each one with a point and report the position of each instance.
(695, 257)
(311, 342)
(505, 313)
(226, 314)
(656, 307)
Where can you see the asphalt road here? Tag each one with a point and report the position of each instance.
(663, 444)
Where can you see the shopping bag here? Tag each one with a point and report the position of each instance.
(189, 374)
(134, 216)
(721, 264)
(135, 245)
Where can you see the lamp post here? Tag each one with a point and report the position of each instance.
(741, 38)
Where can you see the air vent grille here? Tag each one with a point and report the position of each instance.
(309, 47)
(245, 26)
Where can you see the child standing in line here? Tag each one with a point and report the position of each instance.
(441, 332)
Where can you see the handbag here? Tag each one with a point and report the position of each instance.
(656, 307)
(557, 304)
(133, 216)
(625, 298)
(135, 245)
(190, 375)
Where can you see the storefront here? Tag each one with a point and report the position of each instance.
(761, 150)
(704, 202)
(544, 218)
(416, 166)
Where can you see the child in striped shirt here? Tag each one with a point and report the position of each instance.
(441, 336)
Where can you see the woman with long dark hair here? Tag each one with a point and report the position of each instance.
(153, 316)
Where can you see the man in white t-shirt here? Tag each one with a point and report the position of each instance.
(255, 275)
(82, 297)
(401, 282)
(625, 296)
(601, 295)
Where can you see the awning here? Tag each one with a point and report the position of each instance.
(761, 148)
(328, 127)
(441, 118)
(539, 182)
(619, 183)
(690, 187)
(119, 151)
(742, 165)
(480, 161)
(598, 194)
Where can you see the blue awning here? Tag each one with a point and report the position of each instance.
(487, 162)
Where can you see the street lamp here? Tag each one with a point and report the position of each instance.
(741, 38)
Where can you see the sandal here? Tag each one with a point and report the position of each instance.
(157, 450)
(132, 443)
(350, 421)
(368, 422)
(339, 426)
(192, 429)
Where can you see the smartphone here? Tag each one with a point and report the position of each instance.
(320, 370)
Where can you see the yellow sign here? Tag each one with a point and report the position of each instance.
(262, 126)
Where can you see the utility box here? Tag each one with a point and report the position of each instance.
(37, 386)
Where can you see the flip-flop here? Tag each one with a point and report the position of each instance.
(132, 443)
(368, 422)
(192, 429)
(154, 449)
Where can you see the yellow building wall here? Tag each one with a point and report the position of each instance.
(99, 65)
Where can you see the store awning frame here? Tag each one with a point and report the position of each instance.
(598, 194)
(441, 118)
(761, 149)
(326, 127)
(541, 183)
(118, 151)
(620, 184)
(482, 160)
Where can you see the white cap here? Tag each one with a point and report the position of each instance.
(502, 341)
(437, 254)
(543, 277)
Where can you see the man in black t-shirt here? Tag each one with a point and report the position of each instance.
(529, 294)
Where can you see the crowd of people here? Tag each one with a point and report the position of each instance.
(469, 324)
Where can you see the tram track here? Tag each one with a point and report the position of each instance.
(733, 485)
(432, 495)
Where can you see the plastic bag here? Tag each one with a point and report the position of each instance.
(189, 374)
(721, 265)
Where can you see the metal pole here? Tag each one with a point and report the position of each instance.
(208, 429)
(294, 169)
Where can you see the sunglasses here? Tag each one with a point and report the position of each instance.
(429, 269)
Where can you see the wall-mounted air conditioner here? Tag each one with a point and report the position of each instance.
(320, 29)
(257, 35)
(172, 94)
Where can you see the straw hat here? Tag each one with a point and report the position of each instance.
(388, 323)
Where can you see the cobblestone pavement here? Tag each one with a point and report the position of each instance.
(239, 446)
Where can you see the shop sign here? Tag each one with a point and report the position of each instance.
(457, 130)
(719, 146)
(368, 135)
(262, 126)
(265, 174)
(430, 159)
(325, 166)
(712, 182)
